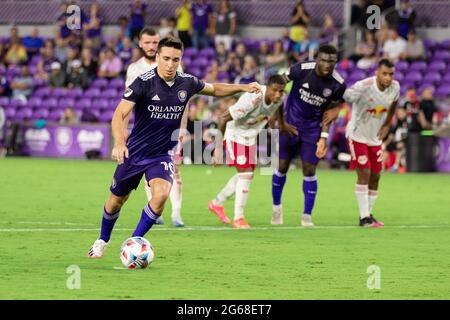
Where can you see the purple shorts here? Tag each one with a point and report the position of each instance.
(128, 175)
(293, 146)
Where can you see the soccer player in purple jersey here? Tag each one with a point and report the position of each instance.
(311, 106)
(158, 99)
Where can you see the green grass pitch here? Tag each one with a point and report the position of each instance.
(51, 210)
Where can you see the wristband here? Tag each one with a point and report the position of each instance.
(324, 135)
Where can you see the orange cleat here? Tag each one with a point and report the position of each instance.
(219, 211)
(241, 224)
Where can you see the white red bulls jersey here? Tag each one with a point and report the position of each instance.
(369, 109)
(140, 67)
(250, 115)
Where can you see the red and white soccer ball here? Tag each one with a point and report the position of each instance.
(136, 253)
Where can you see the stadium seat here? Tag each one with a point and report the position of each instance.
(418, 66)
(35, 102)
(55, 115)
(117, 83)
(50, 103)
(413, 76)
(402, 66)
(4, 101)
(42, 92)
(92, 93)
(426, 86)
(83, 103)
(190, 52)
(357, 74)
(40, 114)
(23, 114)
(59, 92)
(100, 104)
(432, 77)
(109, 93)
(440, 66)
(106, 116)
(75, 93)
(66, 102)
(10, 113)
(399, 76)
(443, 91)
(99, 83)
(443, 55)
(17, 103)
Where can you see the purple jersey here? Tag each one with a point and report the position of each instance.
(310, 96)
(158, 110)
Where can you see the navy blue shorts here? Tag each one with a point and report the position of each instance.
(128, 175)
(293, 146)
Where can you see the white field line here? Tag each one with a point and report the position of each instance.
(208, 228)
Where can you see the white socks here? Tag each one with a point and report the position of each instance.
(176, 196)
(362, 197)
(227, 191)
(373, 194)
(242, 188)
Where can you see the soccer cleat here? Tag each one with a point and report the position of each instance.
(98, 249)
(241, 224)
(381, 224)
(369, 222)
(160, 221)
(177, 222)
(306, 221)
(277, 215)
(219, 211)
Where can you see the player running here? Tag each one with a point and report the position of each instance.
(148, 43)
(243, 121)
(158, 98)
(317, 87)
(373, 105)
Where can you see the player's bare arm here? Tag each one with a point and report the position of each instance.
(332, 112)
(218, 151)
(118, 127)
(322, 143)
(284, 126)
(225, 89)
(384, 130)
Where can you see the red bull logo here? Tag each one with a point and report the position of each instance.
(378, 111)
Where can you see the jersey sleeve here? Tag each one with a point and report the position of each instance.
(339, 93)
(246, 104)
(294, 72)
(197, 85)
(353, 93)
(133, 92)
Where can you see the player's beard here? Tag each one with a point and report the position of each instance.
(148, 57)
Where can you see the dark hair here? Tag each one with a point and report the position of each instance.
(327, 48)
(385, 62)
(277, 79)
(170, 42)
(148, 31)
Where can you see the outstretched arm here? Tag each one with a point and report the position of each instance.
(384, 130)
(225, 89)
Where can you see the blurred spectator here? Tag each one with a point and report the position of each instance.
(69, 117)
(264, 50)
(367, 51)
(428, 110)
(16, 54)
(221, 53)
(412, 106)
(124, 27)
(61, 50)
(241, 52)
(395, 47)
(93, 26)
(137, 18)
(202, 21)
(136, 54)
(33, 43)
(183, 14)
(4, 87)
(46, 60)
(301, 50)
(166, 28)
(72, 55)
(111, 66)
(278, 54)
(249, 71)
(233, 66)
(299, 22)
(89, 63)
(358, 14)
(57, 77)
(22, 86)
(396, 142)
(225, 24)
(403, 19)
(13, 36)
(415, 50)
(328, 29)
(125, 51)
(77, 76)
(212, 74)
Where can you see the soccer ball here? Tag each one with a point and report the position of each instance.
(136, 253)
